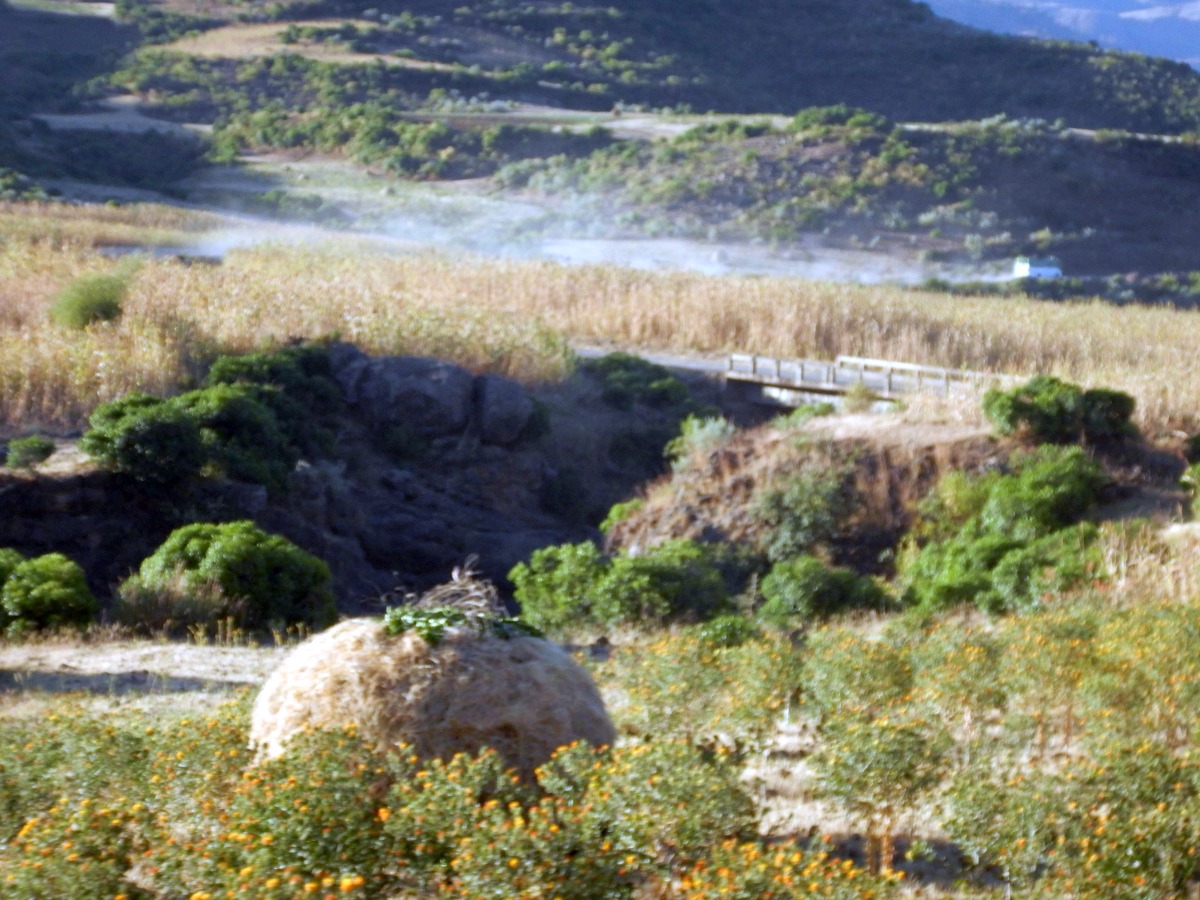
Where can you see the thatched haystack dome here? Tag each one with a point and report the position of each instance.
(523, 696)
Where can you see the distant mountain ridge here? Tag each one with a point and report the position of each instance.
(1170, 30)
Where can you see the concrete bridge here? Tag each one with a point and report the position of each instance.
(790, 382)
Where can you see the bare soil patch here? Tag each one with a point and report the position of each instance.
(252, 41)
(120, 114)
(119, 674)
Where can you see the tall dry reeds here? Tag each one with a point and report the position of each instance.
(512, 316)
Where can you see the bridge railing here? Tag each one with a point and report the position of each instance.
(800, 371)
(885, 376)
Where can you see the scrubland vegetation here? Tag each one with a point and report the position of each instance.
(1002, 698)
(943, 666)
(974, 190)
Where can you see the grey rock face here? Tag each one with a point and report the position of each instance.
(431, 397)
(503, 409)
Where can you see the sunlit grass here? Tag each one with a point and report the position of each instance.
(511, 317)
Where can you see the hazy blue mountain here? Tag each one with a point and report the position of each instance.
(1169, 29)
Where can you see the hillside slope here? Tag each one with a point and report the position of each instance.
(1104, 203)
(889, 56)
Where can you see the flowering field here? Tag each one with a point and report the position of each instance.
(1009, 700)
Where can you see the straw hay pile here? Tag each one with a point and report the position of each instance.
(523, 696)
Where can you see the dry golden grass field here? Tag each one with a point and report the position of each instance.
(514, 317)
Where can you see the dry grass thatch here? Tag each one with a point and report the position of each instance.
(523, 696)
(512, 317)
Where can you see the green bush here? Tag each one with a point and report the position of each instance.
(626, 379)
(956, 499)
(1002, 541)
(241, 434)
(1054, 411)
(697, 437)
(226, 429)
(1053, 563)
(26, 452)
(955, 571)
(89, 299)
(151, 441)
(575, 584)
(677, 580)
(799, 588)
(262, 577)
(9, 560)
(302, 373)
(800, 512)
(47, 592)
(1051, 488)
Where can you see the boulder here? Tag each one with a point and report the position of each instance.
(503, 409)
(431, 397)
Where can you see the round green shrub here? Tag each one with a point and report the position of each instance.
(1048, 407)
(1054, 411)
(144, 437)
(959, 570)
(9, 560)
(240, 433)
(676, 581)
(26, 452)
(47, 592)
(804, 586)
(89, 299)
(1052, 488)
(227, 429)
(263, 578)
(576, 585)
(554, 586)
(303, 373)
(1052, 563)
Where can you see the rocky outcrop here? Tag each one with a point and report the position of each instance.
(429, 397)
(471, 489)
(502, 409)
